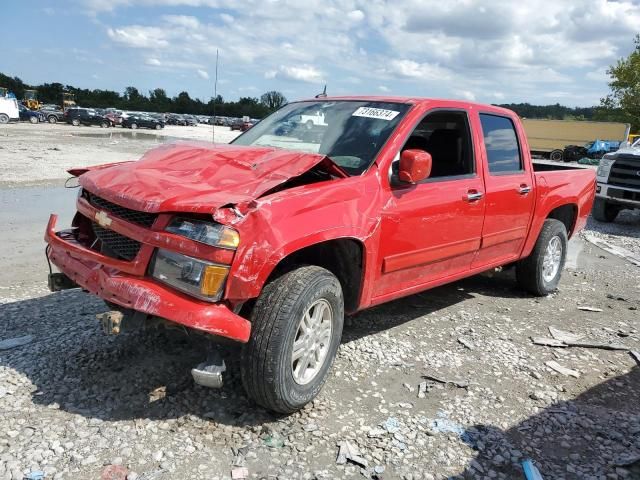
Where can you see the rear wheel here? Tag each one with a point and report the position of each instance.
(158, 126)
(104, 125)
(133, 126)
(604, 211)
(540, 272)
(52, 119)
(33, 119)
(296, 330)
(75, 122)
(4, 118)
(556, 155)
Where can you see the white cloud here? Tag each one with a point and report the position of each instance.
(303, 73)
(202, 74)
(526, 51)
(383, 88)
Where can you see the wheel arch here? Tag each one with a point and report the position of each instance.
(344, 257)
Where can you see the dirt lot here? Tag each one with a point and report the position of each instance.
(74, 402)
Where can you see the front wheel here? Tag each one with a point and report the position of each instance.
(133, 126)
(75, 122)
(556, 155)
(158, 126)
(604, 211)
(296, 330)
(52, 119)
(33, 119)
(540, 272)
(4, 118)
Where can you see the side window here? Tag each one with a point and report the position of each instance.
(446, 136)
(501, 143)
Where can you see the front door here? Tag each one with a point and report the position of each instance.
(509, 192)
(432, 230)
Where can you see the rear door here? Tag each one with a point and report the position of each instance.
(509, 197)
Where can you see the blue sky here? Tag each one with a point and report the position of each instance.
(492, 51)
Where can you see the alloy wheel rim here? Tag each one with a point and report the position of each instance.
(311, 342)
(551, 260)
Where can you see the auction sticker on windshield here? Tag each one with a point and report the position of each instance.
(379, 113)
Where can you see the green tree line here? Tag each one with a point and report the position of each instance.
(157, 100)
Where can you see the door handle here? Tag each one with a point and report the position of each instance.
(524, 189)
(473, 196)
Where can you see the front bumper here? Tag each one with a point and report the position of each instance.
(99, 275)
(625, 196)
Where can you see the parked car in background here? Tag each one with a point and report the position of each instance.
(142, 121)
(52, 115)
(190, 120)
(9, 111)
(241, 125)
(618, 186)
(85, 116)
(114, 117)
(175, 119)
(27, 115)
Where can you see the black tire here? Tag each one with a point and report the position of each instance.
(604, 211)
(52, 119)
(158, 126)
(104, 125)
(133, 126)
(556, 155)
(4, 118)
(529, 271)
(75, 122)
(33, 120)
(266, 360)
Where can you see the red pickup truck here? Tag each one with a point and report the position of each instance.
(270, 240)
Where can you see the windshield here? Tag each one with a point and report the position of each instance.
(351, 133)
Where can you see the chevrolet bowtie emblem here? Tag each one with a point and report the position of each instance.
(103, 219)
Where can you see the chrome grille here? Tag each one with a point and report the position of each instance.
(116, 245)
(143, 219)
(625, 172)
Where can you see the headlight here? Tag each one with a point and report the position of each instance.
(604, 166)
(201, 279)
(209, 233)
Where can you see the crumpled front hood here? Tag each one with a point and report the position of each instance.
(198, 177)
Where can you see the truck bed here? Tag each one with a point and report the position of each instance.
(548, 166)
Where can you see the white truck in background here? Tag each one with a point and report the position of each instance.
(9, 111)
(618, 187)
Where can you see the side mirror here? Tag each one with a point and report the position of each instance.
(415, 165)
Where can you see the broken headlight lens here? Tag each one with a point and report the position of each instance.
(209, 233)
(195, 277)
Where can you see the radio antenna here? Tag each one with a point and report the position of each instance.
(215, 99)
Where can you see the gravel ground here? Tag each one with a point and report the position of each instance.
(78, 404)
(624, 232)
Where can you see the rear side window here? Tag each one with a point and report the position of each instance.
(501, 143)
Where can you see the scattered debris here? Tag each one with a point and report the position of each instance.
(457, 383)
(274, 441)
(240, 473)
(553, 365)
(586, 308)
(35, 475)
(114, 472)
(15, 342)
(613, 249)
(466, 343)
(531, 472)
(444, 425)
(391, 425)
(350, 452)
(636, 356)
(564, 339)
(422, 389)
(157, 394)
(548, 342)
